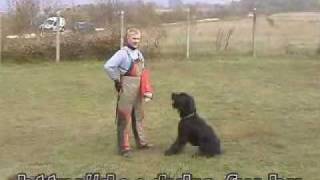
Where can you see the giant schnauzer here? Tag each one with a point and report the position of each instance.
(192, 128)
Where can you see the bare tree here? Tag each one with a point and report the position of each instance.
(22, 15)
(11, 4)
(106, 13)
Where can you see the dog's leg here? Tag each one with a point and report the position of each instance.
(175, 148)
(178, 145)
(206, 150)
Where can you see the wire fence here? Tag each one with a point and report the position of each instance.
(261, 35)
(283, 34)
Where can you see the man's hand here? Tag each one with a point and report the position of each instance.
(118, 85)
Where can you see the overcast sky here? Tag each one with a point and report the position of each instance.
(3, 6)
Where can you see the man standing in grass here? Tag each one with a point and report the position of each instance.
(125, 68)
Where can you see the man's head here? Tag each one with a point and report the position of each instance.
(133, 37)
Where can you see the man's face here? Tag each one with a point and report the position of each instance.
(134, 40)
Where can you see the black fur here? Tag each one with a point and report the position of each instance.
(192, 128)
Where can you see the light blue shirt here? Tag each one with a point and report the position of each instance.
(121, 61)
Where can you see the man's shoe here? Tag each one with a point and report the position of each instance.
(126, 153)
(145, 146)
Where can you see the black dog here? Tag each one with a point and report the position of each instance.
(192, 128)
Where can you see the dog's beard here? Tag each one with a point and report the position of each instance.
(174, 103)
(179, 108)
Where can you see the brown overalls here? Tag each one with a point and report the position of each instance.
(130, 107)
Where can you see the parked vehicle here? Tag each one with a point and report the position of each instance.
(53, 24)
(83, 26)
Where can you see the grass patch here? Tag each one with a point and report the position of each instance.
(59, 118)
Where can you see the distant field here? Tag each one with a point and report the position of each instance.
(59, 118)
(297, 16)
(278, 34)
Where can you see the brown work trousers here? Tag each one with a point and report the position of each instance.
(130, 112)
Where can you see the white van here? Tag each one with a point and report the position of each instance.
(53, 24)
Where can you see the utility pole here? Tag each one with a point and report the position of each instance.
(58, 39)
(41, 6)
(254, 32)
(121, 29)
(188, 34)
(0, 37)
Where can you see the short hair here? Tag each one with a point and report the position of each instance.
(132, 31)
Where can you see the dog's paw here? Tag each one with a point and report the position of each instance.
(168, 153)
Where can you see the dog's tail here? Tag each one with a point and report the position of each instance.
(219, 150)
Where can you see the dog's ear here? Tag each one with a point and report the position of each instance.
(191, 104)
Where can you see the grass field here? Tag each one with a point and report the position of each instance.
(59, 118)
(278, 34)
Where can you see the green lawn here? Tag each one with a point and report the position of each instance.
(59, 118)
